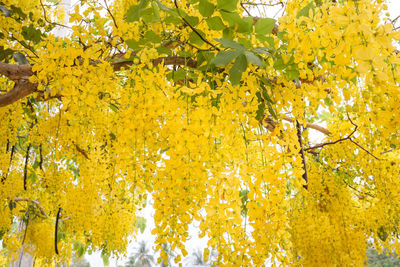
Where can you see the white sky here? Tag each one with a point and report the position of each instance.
(194, 243)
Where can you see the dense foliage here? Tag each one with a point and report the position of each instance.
(211, 108)
(385, 259)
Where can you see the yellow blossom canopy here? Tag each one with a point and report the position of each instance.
(213, 109)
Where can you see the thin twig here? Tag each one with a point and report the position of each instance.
(355, 189)
(387, 151)
(111, 15)
(25, 45)
(193, 29)
(80, 150)
(395, 19)
(351, 140)
(261, 4)
(344, 139)
(337, 141)
(245, 9)
(45, 18)
(312, 126)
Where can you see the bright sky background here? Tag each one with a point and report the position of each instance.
(194, 243)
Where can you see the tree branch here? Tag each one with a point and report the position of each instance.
(312, 126)
(46, 19)
(111, 15)
(349, 137)
(193, 29)
(173, 60)
(15, 72)
(23, 87)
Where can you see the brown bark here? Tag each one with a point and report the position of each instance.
(15, 72)
(23, 87)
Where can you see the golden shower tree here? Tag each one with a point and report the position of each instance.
(213, 109)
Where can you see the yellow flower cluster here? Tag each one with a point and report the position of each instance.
(122, 111)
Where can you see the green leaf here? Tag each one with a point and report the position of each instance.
(112, 136)
(260, 111)
(215, 23)
(382, 234)
(244, 198)
(152, 37)
(235, 73)
(163, 50)
(245, 42)
(271, 110)
(264, 50)
(292, 74)
(177, 75)
(12, 205)
(163, 7)
(113, 107)
(5, 54)
(230, 44)
(325, 116)
(156, 10)
(263, 80)
(133, 13)
(264, 26)
(245, 25)
(60, 236)
(132, 44)
(252, 58)
(81, 251)
(17, 11)
(173, 19)
(79, 248)
(206, 9)
(20, 58)
(231, 18)
(282, 35)
(36, 164)
(279, 64)
(195, 39)
(223, 58)
(227, 33)
(193, 21)
(305, 11)
(30, 33)
(265, 94)
(204, 56)
(147, 15)
(228, 5)
(141, 224)
(32, 177)
(105, 257)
